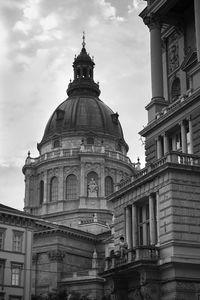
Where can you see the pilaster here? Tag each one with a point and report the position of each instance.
(197, 26)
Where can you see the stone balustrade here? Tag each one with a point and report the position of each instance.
(84, 149)
(81, 273)
(174, 157)
(144, 253)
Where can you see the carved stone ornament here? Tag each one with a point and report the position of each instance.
(56, 255)
(173, 55)
(92, 188)
(152, 21)
(67, 170)
(35, 258)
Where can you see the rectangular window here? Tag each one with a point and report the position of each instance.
(2, 267)
(143, 225)
(17, 241)
(140, 226)
(178, 141)
(2, 238)
(16, 274)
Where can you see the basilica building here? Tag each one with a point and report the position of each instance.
(82, 157)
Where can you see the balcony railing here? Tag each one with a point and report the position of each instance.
(78, 274)
(140, 253)
(174, 157)
(87, 149)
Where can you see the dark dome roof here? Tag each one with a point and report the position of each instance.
(80, 115)
(83, 112)
(83, 57)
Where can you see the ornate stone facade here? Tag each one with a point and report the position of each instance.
(82, 157)
(157, 210)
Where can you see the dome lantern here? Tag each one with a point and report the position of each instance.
(83, 82)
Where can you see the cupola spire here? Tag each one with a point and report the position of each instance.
(83, 43)
(83, 82)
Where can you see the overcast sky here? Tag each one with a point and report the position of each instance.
(38, 41)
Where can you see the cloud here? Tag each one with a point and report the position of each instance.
(39, 39)
(12, 186)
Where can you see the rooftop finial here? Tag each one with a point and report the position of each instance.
(83, 43)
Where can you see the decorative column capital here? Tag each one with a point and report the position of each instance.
(152, 22)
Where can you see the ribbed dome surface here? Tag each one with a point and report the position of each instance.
(81, 114)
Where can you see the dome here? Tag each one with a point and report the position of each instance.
(83, 113)
(83, 57)
(79, 115)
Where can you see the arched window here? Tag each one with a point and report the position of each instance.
(108, 185)
(41, 191)
(84, 72)
(78, 73)
(176, 89)
(54, 189)
(71, 187)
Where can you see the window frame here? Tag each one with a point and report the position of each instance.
(2, 238)
(71, 186)
(41, 191)
(53, 197)
(143, 225)
(14, 297)
(2, 263)
(16, 278)
(109, 185)
(17, 246)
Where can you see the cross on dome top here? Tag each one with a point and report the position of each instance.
(83, 43)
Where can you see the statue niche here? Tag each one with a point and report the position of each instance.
(92, 186)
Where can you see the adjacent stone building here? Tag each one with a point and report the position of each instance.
(16, 236)
(82, 156)
(158, 208)
(84, 184)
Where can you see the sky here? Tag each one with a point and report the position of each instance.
(38, 42)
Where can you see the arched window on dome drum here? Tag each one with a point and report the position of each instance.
(109, 186)
(71, 187)
(41, 191)
(54, 189)
(175, 89)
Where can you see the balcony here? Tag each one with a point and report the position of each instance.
(182, 103)
(79, 274)
(173, 157)
(148, 254)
